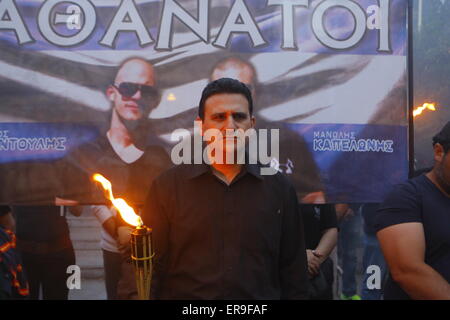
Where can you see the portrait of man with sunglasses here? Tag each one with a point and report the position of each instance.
(124, 152)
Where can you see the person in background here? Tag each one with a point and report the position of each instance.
(412, 226)
(13, 283)
(321, 236)
(44, 242)
(112, 258)
(349, 241)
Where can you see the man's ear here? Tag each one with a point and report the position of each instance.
(111, 93)
(438, 152)
(253, 120)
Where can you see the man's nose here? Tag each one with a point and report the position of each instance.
(230, 123)
(137, 95)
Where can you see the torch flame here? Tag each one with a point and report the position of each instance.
(419, 110)
(121, 205)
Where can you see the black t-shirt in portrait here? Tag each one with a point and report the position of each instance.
(130, 181)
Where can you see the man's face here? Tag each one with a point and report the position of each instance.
(442, 167)
(227, 112)
(131, 105)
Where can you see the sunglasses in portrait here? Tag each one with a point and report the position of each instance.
(129, 89)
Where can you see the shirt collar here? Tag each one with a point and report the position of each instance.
(254, 169)
(200, 169)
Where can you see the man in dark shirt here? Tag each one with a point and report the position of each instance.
(413, 229)
(225, 231)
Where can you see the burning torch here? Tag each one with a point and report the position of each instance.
(141, 241)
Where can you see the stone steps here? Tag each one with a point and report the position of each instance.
(83, 222)
(86, 245)
(85, 234)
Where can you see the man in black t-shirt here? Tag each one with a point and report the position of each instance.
(414, 233)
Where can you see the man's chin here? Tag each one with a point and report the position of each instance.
(228, 150)
(133, 116)
(132, 123)
(231, 153)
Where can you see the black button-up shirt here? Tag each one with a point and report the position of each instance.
(217, 241)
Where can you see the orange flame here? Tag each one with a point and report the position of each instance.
(419, 110)
(121, 205)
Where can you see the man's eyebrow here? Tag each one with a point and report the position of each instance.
(239, 113)
(218, 114)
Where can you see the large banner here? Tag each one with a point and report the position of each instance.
(100, 86)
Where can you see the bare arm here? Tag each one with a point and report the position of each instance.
(403, 247)
(326, 245)
(76, 210)
(317, 197)
(110, 226)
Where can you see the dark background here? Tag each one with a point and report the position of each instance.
(431, 71)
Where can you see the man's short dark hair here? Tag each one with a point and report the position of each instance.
(224, 85)
(443, 137)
